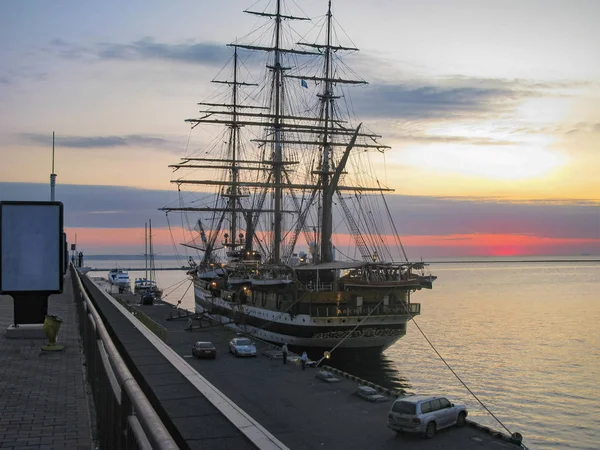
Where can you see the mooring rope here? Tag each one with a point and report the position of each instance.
(350, 332)
(174, 286)
(186, 291)
(172, 238)
(454, 373)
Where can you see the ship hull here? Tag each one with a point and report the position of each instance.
(302, 331)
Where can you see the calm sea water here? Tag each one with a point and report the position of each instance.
(524, 336)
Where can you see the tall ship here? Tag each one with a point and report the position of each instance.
(294, 239)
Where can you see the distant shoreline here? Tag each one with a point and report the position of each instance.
(514, 261)
(465, 261)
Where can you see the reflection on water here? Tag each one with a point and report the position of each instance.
(380, 370)
(524, 337)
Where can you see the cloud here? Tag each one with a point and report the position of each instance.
(422, 215)
(131, 140)
(125, 207)
(427, 138)
(582, 128)
(470, 98)
(97, 206)
(13, 76)
(148, 49)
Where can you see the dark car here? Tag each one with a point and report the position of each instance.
(204, 350)
(147, 299)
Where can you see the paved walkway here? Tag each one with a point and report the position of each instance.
(43, 404)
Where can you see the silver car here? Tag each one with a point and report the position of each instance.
(242, 347)
(425, 414)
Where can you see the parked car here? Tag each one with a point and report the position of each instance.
(242, 347)
(370, 394)
(147, 298)
(204, 350)
(425, 414)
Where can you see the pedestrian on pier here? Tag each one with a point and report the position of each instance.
(284, 351)
(304, 359)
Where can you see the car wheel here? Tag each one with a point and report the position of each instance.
(399, 432)
(461, 419)
(431, 429)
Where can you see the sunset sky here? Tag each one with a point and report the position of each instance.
(491, 109)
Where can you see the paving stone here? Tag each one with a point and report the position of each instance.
(41, 388)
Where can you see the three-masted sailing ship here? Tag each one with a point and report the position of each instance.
(289, 168)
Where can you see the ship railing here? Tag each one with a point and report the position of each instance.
(124, 416)
(414, 309)
(318, 287)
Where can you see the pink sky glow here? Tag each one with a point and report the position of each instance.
(131, 241)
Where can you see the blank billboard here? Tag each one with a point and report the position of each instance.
(31, 247)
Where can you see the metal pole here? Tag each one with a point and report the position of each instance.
(52, 175)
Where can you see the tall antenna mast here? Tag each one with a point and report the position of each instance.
(52, 175)
(146, 247)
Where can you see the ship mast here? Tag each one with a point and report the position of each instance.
(231, 188)
(323, 132)
(277, 156)
(327, 105)
(277, 120)
(233, 193)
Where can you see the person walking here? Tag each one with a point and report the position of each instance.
(284, 351)
(303, 359)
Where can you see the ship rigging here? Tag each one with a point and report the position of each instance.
(293, 172)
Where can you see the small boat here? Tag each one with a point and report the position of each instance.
(143, 285)
(119, 277)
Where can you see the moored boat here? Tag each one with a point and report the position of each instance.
(119, 277)
(147, 284)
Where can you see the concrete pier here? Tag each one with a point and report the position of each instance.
(43, 401)
(300, 410)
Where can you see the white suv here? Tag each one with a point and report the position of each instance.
(425, 414)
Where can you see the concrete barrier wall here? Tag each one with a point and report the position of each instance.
(192, 420)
